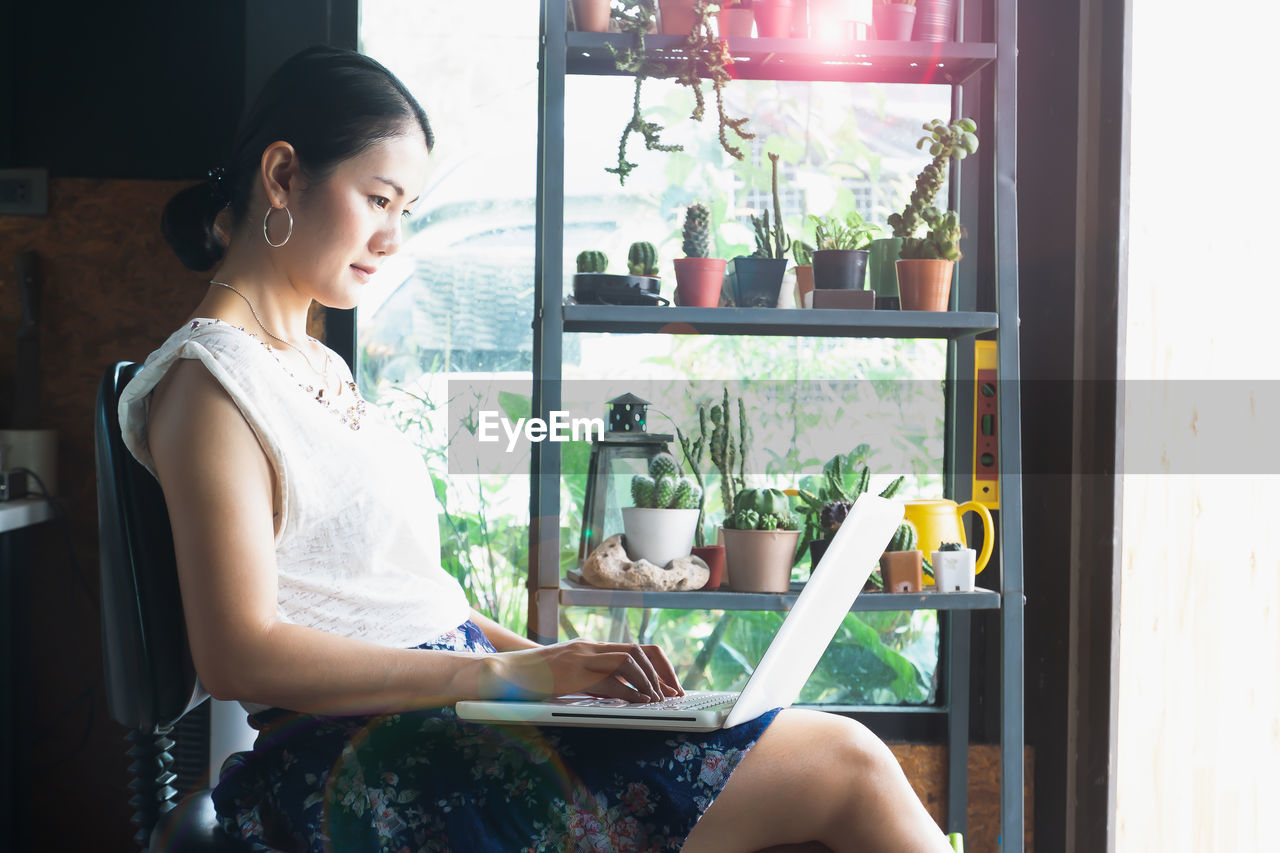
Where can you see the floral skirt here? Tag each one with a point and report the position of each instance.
(427, 781)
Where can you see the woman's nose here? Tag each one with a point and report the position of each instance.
(386, 240)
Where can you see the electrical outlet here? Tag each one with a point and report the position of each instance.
(24, 191)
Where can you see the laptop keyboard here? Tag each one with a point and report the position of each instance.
(691, 702)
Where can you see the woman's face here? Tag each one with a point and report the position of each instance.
(345, 227)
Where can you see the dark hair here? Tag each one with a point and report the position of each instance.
(330, 104)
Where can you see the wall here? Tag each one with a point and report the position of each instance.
(1198, 758)
(111, 291)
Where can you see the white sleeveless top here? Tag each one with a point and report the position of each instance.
(357, 542)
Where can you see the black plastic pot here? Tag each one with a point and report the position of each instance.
(840, 269)
(817, 548)
(602, 288)
(757, 281)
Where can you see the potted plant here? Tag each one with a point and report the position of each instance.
(935, 21)
(953, 567)
(825, 500)
(698, 277)
(591, 264)
(693, 448)
(591, 16)
(894, 19)
(661, 525)
(802, 254)
(773, 18)
(758, 279)
(642, 259)
(593, 286)
(902, 564)
(926, 262)
(760, 538)
(677, 16)
(840, 261)
(736, 19)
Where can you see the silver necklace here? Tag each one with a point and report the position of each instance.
(327, 359)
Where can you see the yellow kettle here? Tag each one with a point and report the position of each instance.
(938, 520)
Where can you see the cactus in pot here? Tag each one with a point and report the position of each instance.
(698, 277)
(660, 527)
(592, 260)
(642, 259)
(759, 538)
(954, 567)
(696, 234)
(901, 564)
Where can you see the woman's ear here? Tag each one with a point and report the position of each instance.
(280, 172)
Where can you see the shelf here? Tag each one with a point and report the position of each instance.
(946, 63)
(572, 593)
(795, 322)
(24, 512)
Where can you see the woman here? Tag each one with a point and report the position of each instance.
(308, 559)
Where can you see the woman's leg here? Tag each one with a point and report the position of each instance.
(815, 777)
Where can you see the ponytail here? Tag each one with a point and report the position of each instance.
(187, 225)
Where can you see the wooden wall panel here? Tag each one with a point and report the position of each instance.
(926, 768)
(111, 290)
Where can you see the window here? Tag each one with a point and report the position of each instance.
(445, 330)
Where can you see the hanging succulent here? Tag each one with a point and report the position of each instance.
(703, 56)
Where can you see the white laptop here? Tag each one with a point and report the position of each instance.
(776, 682)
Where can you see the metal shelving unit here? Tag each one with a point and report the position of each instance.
(980, 69)
(584, 595)
(811, 322)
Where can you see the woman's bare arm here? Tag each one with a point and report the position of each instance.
(503, 639)
(218, 489)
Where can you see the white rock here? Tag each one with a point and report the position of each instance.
(609, 567)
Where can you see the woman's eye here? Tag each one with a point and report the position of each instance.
(380, 201)
(407, 214)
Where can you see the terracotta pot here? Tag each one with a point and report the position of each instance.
(924, 285)
(591, 16)
(658, 535)
(760, 560)
(773, 18)
(893, 21)
(736, 23)
(713, 556)
(677, 17)
(804, 282)
(698, 281)
(903, 571)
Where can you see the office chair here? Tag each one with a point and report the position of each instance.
(150, 678)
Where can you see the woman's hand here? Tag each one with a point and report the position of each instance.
(617, 670)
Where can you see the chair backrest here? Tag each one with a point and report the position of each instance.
(151, 680)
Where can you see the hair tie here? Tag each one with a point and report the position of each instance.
(219, 186)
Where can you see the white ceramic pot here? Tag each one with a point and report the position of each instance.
(658, 535)
(953, 571)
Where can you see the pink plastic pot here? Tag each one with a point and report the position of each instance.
(773, 18)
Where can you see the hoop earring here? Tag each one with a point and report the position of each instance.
(267, 219)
